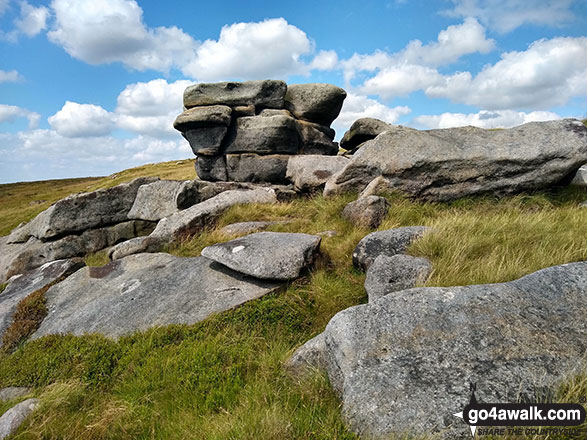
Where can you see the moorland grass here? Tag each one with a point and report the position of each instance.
(224, 378)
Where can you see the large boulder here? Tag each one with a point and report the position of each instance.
(362, 130)
(390, 242)
(404, 363)
(19, 258)
(191, 220)
(267, 255)
(319, 103)
(156, 200)
(206, 141)
(366, 212)
(11, 420)
(311, 172)
(457, 162)
(317, 139)
(265, 93)
(391, 274)
(256, 168)
(211, 168)
(144, 291)
(22, 286)
(199, 117)
(80, 212)
(264, 135)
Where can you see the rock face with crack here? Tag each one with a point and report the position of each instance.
(267, 255)
(404, 362)
(245, 132)
(21, 286)
(450, 163)
(144, 291)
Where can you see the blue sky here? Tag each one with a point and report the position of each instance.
(91, 87)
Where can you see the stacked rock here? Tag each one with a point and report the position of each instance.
(247, 131)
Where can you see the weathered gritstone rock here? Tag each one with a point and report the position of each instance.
(390, 242)
(264, 135)
(367, 212)
(267, 255)
(19, 258)
(391, 274)
(266, 93)
(404, 362)
(23, 285)
(11, 420)
(319, 103)
(363, 130)
(156, 200)
(310, 172)
(256, 168)
(580, 178)
(457, 162)
(190, 221)
(10, 393)
(232, 126)
(143, 291)
(81, 212)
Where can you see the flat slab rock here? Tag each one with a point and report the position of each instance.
(267, 255)
(143, 291)
(22, 286)
(404, 362)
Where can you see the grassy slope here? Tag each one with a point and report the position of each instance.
(20, 202)
(224, 379)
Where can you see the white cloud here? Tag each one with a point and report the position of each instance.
(452, 43)
(10, 113)
(483, 119)
(106, 31)
(414, 67)
(45, 154)
(82, 120)
(506, 15)
(324, 60)
(548, 74)
(268, 49)
(357, 106)
(32, 20)
(150, 108)
(12, 76)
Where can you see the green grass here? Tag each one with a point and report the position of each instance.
(224, 378)
(20, 202)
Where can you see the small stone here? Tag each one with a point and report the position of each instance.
(392, 274)
(366, 212)
(13, 418)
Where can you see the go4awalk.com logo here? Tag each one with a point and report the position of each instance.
(522, 416)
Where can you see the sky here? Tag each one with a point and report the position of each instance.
(91, 87)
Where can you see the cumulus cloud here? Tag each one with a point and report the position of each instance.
(10, 113)
(11, 76)
(271, 48)
(45, 154)
(106, 31)
(82, 120)
(547, 74)
(396, 70)
(32, 19)
(150, 108)
(507, 15)
(483, 119)
(358, 106)
(324, 60)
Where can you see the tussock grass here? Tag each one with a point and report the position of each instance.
(224, 378)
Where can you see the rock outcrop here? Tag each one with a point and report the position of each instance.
(450, 163)
(403, 364)
(21, 286)
(143, 291)
(246, 132)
